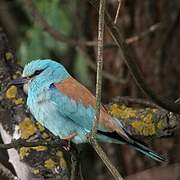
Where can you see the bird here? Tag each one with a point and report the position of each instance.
(67, 108)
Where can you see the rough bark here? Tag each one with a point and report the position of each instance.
(16, 122)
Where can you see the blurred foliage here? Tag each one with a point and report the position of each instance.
(81, 69)
(39, 44)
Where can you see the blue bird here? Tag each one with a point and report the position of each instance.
(67, 108)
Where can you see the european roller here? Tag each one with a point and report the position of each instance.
(67, 108)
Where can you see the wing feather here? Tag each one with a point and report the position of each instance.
(79, 100)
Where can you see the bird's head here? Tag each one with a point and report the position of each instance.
(41, 73)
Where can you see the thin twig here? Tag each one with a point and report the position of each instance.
(43, 22)
(105, 74)
(92, 138)
(117, 12)
(99, 65)
(105, 159)
(140, 36)
(177, 100)
(132, 65)
(57, 35)
(63, 39)
(7, 173)
(131, 100)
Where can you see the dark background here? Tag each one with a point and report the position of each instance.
(157, 54)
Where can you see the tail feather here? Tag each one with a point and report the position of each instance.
(147, 151)
(134, 143)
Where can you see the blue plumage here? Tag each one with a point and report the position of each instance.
(65, 113)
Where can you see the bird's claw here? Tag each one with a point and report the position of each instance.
(67, 145)
(68, 139)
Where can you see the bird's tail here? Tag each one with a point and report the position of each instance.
(134, 143)
(146, 151)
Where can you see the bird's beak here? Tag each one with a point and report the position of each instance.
(19, 81)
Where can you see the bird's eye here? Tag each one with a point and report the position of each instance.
(37, 72)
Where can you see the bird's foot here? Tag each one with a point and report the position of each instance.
(70, 136)
(68, 139)
(67, 145)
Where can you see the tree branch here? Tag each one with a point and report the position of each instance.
(133, 67)
(145, 120)
(117, 12)
(15, 119)
(127, 100)
(57, 35)
(7, 173)
(22, 143)
(92, 138)
(99, 65)
(75, 174)
(105, 159)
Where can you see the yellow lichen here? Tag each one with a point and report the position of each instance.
(45, 135)
(148, 118)
(8, 55)
(154, 110)
(27, 128)
(40, 127)
(49, 164)
(145, 127)
(149, 131)
(39, 148)
(14, 76)
(160, 124)
(62, 163)
(59, 154)
(11, 92)
(123, 111)
(48, 139)
(35, 171)
(18, 72)
(18, 101)
(24, 152)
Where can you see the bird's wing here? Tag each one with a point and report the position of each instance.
(78, 103)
